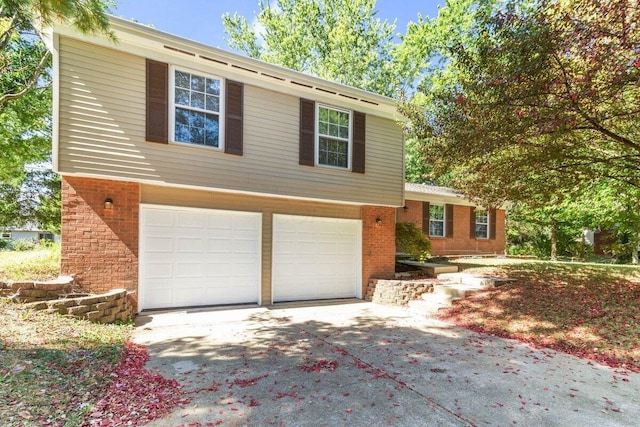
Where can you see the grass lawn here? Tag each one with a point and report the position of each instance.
(589, 310)
(40, 264)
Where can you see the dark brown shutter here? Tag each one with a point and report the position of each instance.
(157, 102)
(425, 218)
(448, 213)
(359, 138)
(307, 132)
(472, 223)
(233, 117)
(492, 224)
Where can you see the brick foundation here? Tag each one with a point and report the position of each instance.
(378, 244)
(100, 245)
(461, 243)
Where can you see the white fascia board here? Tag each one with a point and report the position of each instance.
(438, 198)
(150, 43)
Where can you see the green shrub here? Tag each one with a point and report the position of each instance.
(410, 240)
(23, 245)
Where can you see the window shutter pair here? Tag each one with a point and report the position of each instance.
(448, 219)
(492, 223)
(157, 126)
(307, 150)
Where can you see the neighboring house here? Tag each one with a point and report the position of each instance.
(195, 176)
(454, 225)
(28, 234)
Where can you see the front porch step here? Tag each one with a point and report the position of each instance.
(471, 280)
(457, 290)
(430, 303)
(432, 269)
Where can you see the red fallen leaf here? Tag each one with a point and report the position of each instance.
(615, 409)
(348, 410)
(572, 395)
(345, 394)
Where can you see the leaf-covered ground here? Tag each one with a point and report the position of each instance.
(591, 311)
(56, 371)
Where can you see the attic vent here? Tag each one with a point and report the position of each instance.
(213, 60)
(325, 90)
(301, 84)
(245, 69)
(369, 102)
(273, 77)
(347, 96)
(175, 49)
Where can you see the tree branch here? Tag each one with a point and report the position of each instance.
(29, 84)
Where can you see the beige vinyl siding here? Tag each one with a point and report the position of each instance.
(102, 133)
(152, 194)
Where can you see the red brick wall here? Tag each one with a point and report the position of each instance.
(99, 245)
(461, 242)
(378, 244)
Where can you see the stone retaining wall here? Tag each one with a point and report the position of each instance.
(397, 292)
(105, 308)
(26, 292)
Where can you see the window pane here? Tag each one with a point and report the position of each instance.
(197, 135)
(182, 79)
(182, 117)
(213, 87)
(323, 115)
(182, 96)
(436, 228)
(182, 133)
(436, 212)
(344, 132)
(197, 83)
(213, 103)
(212, 130)
(323, 128)
(197, 100)
(344, 119)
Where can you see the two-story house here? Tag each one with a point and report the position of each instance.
(195, 176)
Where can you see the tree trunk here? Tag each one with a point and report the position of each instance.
(553, 231)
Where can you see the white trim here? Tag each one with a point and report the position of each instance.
(172, 108)
(55, 126)
(142, 248)
(316, 136)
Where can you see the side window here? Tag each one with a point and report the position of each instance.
(197, 109)
(333, 137)
(482, 224)
(436, 220)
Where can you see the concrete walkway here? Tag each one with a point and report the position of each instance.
(362, 364)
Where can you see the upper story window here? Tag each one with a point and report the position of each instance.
(482, 224)
(197, 108)
(333, 137)
(436, 220)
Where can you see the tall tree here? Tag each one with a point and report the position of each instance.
(340, 40)
(533, 96)
(25, 102)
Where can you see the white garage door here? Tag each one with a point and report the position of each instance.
(191, 257)
(316, 258)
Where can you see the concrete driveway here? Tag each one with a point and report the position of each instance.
(361, 364)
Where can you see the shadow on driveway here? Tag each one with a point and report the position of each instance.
(362, 364)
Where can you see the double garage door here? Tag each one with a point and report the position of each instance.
(194, 257)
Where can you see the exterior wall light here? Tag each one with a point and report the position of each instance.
(108, 203)
(379, 221)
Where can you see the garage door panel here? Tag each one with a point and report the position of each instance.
(315, 258)
(195, 257)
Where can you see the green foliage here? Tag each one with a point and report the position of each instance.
(339, 40)
(23, 245)
(532, 97)
(411, 240)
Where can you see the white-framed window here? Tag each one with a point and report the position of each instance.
(482, 224)
(5, 235)
(196, 114)
(436, 220)
(333, 137)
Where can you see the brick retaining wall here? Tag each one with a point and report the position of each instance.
(397, 292)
